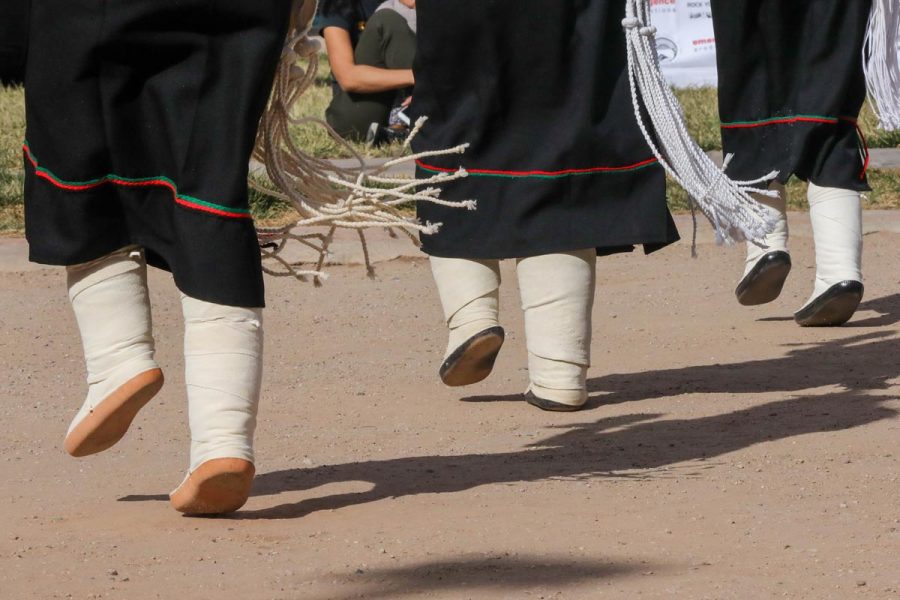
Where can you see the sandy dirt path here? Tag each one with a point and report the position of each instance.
(725, 452)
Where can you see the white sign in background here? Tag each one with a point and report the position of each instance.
(685, 41)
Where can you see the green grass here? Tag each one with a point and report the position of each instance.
(702, 112)
(885, 192)
(699, 103)
(12, 132)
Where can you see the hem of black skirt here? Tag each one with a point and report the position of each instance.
(842, 184)
(649, 247)
(161, 264)
(38, 258)
(783, 148)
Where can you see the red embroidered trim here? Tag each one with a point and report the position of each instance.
(781, 121)
(541, 174)
(864, 146)
(182, 199)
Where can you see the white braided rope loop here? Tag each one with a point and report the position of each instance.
(881, 62)
(735, 215)
(359, 197)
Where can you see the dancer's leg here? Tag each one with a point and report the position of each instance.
(112, 309)
(836, 217)
(767, 267)
(223, 371)
(470, 296)
(557, 296)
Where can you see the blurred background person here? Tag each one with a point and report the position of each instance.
(371, 46)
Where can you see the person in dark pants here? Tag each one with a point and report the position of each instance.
(371, 47)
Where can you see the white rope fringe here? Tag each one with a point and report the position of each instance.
(359, 197)
(881, 61)
(735, 215)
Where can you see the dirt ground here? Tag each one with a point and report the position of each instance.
(725, 452)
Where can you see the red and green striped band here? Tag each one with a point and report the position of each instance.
(817, 119)
(541, 174)
(787, 120)
(160, 181)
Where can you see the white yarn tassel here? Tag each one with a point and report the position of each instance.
(728, 204)
(881, 61)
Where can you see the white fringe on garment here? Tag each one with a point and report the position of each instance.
(735, 215)
(323, 194)
(881, 61)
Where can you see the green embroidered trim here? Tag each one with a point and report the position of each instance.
(783, 120)
(541, 174)
(182, 199)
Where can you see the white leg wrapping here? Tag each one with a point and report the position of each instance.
(223, 371)
(778, 238)
(557, 293)
(836, 217)
(470, 296)
(112, 308)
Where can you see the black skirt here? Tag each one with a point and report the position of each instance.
(141, 117)
(791, 87)
(13, 40)
(556, 162)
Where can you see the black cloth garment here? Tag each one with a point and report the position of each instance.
(540, 91)
(141, 116)
(13, 40)
(791, 87)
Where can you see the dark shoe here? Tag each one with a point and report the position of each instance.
(834, 307)
(550, 405)
(474, 360)
(764, 282)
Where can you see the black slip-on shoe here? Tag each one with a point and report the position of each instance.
(833, 307)
(550, 405)
(764, 282)
(474, 360)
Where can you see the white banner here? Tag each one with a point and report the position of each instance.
(686, 41)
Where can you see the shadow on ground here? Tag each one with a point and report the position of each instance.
(641, 444)
(825, 387)
(854, 363)
(513, 575)
(888, 307)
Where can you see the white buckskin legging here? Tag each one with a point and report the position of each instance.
(836, 217)
(557, 292)
(222, 349)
